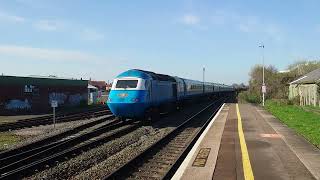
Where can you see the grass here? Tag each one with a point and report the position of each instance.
(8, 139)
(315, 109)
(306, 123)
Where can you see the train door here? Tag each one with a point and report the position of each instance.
(148, 86)
(174, 91)
(154, 92)
(184, 89)
(151, 92)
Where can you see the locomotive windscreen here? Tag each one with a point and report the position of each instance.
(127, 83)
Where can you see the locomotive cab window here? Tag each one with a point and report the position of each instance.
(127, 84)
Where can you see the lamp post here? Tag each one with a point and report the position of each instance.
(263, 88)
(203, 71)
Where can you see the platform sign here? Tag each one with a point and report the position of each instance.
(54, 104)
(202, 157)
(264, 89)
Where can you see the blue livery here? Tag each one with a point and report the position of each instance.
(136, 92)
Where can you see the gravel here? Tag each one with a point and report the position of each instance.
(90, 158)
(102, 160)
(33, 134)
(118, 159)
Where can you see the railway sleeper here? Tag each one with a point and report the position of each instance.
(156, 166)
(153, 170)
(146, 175)
(166, 159)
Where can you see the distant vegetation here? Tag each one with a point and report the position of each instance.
(303, 119)
(277, 82)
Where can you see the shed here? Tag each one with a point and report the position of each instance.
(306, 88)
(101, 85)
(34, 94)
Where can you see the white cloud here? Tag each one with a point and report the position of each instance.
(24, 52)
(190, 19)
(220, 17)
(48, 25)
(5, 17)
(91, 35)
(247, 24)
(274, 31)
(244, 28)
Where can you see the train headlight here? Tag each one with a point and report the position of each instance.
(134, 100)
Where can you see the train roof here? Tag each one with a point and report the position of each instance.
(147, 74)
(161, 77)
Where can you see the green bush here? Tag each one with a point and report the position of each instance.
(294, 101)
(253, 98)
(246, 96)
(280, 102)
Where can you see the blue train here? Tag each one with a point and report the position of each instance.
(142, 94)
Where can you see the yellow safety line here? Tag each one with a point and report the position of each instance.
(247, 170)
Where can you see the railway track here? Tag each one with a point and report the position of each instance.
(23, 149)
(36, 158)
(48, 119)
(162, 158)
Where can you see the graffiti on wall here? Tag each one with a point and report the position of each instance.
(30, 89)
(16, 104)
(60, 97)
(75, 99)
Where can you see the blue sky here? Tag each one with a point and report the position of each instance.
(100, 39)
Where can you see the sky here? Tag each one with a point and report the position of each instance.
(101, 39)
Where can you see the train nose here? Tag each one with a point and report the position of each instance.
(128, 104)
(128, 110)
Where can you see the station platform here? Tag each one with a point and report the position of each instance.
(246, 142)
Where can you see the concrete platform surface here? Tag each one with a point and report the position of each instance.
(246, 142)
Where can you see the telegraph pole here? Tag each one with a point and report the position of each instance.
(263, 88)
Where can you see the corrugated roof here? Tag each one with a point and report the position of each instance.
(99, 84)
(91, 87)
(311, 77)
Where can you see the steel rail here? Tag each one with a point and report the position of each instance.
(56, 137)
(74, 146)
(33, 148)
(48, 120)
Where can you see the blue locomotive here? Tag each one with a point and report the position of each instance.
(138, 93)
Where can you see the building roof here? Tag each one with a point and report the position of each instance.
(98, 84)
(91, 87)
(310, 78)
(40, 81)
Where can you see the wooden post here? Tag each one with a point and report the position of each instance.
(309, 95)
(315, 95)
(300, 95)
